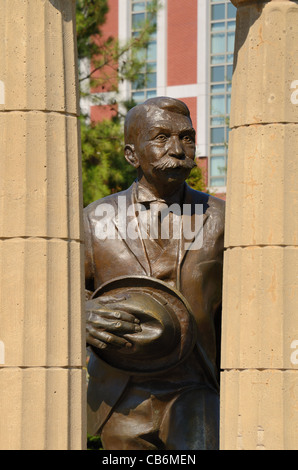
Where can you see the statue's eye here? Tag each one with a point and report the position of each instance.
(161, 138)
(188, 139)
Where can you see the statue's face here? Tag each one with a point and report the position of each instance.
(165, 146)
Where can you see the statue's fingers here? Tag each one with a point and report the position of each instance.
(119, 314)
(109, 339)
(115, 326)
(129, 308)
(95, 342)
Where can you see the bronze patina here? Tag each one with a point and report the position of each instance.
(153, 303)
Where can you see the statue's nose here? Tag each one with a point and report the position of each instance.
(176, 148)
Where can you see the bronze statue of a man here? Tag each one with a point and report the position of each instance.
(154, 300)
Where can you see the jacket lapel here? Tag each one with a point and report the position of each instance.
(194, 219)
(126, 224)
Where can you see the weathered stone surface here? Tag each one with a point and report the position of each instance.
(38, 64)
(259, 383)
(40, 185)
(41, 302)
(265, 64)
(262, 203)
(259, 410)
(42, 342)
(260, 301)
(41, 409)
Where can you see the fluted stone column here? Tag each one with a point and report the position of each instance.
(259, 381)
(42, 376)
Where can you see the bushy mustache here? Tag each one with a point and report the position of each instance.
(167, 163)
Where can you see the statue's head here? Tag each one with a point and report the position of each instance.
(160, 140)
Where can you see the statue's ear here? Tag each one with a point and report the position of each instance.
(131, 156)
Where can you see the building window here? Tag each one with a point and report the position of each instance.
(222, 37)
(145, 86)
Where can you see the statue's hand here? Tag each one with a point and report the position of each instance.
(106, 324)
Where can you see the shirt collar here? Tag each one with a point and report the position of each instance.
(144, 195)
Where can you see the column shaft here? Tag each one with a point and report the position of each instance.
(42, 360)
(260, 327)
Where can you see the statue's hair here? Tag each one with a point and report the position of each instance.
(138, 114)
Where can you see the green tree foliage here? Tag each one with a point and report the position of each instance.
(196, 180)
(105, 169)
(90, 16)
(111, 61)
(94, 443)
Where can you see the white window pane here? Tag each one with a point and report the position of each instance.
(152, 19)
(218, 88)
(218, 150)
(151, 67)
(218, 26)
(217, 135)
(152, 52)
(141, 55)
(228, 104)
(231, 11)
(218, 104)
(217, 59)
(137, 20)
(217, 182)
(151, 4)
(151, 80)
(217, 166)
(139, 82)
(218, 44)
(218, 74)
(151, 94)
(229, 72)
(217, 121)
(232, 25)
(231, 42)
(139, 6)
(218, 12)
(138, 97)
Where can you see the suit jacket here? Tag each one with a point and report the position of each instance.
(199, 279)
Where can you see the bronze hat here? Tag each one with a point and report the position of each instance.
(168, 327)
